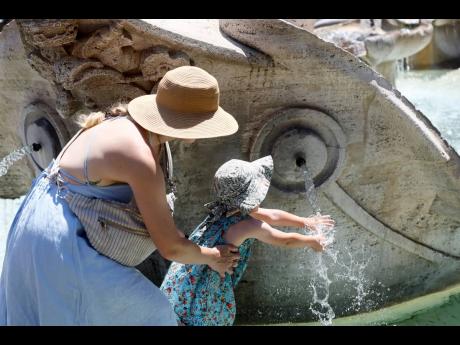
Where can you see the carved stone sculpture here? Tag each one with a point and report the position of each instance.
(378, 42)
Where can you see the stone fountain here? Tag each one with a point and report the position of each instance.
(381, 168)
(378, 42)
(443, 51)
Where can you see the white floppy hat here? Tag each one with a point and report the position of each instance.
(243, 185)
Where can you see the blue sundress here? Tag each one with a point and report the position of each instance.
(53, 276)
(199, 296)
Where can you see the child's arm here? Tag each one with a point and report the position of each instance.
(283, 218)
(253, 228)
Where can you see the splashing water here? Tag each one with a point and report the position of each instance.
(12, 157)
(320, 283)
(351, 269)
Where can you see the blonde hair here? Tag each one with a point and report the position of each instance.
(95, 118)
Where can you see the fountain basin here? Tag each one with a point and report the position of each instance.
(440, 308)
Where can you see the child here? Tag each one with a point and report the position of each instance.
(199, 296)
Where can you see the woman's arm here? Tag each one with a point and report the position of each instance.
(134, 163)
(253, 228)
(282, 218)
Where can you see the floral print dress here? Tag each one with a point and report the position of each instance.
(199, 296)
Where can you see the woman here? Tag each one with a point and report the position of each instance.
(51, 274)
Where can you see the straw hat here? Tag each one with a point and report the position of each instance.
(185, 106)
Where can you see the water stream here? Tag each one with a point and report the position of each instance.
(331, 266)
(14, 156)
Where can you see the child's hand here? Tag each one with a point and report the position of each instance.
(317, 243)
(314, 223)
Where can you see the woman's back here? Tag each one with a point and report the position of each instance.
(90, 157)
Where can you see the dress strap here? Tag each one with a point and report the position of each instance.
(53, 171)
(85, 163)
(58, 158)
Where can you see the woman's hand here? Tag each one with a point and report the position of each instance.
(314, 223)
(224, 258)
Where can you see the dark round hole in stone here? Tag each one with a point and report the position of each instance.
(300, 161)
(42, 136)
(36, 147)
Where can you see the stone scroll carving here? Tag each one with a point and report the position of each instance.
(49, 33)
(94, 65)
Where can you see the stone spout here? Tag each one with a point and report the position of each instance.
(382, 170)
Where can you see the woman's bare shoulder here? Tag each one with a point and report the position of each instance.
(127, 153)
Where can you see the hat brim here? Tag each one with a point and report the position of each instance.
(258, 188)
(147, 113)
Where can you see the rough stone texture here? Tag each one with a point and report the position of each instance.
(394, 194)
(48, 33)
(20, 85)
